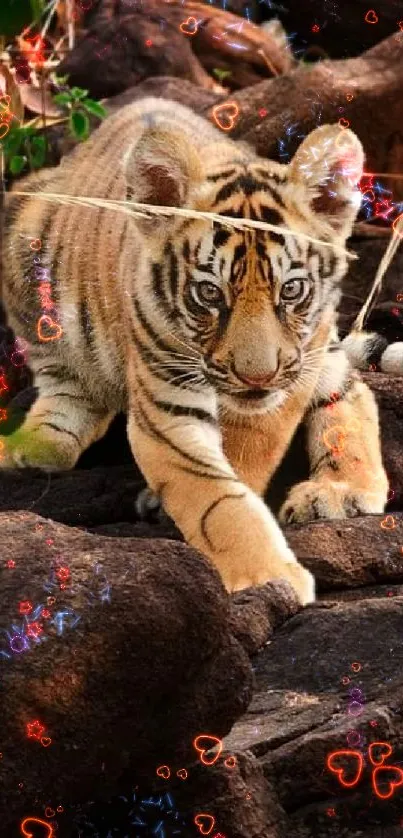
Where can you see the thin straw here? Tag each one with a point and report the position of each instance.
(387, 257)
(137, 209)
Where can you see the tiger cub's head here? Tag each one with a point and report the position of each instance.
(248, 301)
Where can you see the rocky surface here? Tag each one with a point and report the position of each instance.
(113, 654)
(160, 663)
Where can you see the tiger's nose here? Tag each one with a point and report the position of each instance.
(257, 382)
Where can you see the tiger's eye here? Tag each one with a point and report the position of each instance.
(292, 289)
(209, 293)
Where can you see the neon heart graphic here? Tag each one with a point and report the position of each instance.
(204, 743)
(47, 329)
(27, 821)
(182, 774)
(382, 750)
(371, 17)
(189, 26)
(226, 115)
(164, 771)
(230, 762)
(388, 523)
(352, 759)
(205, 823)
(390, 774)
(49, 813)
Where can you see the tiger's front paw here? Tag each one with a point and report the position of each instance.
(268, 568)
(314, 499)
(37, 448)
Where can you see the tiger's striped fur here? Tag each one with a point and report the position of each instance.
(217, 343)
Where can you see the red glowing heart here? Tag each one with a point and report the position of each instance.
(225, 115)
(204, 743)
(346, 764)
(230, 762)
(49, 813)
(29, 821)
(164, 771)
(46, 741)
(390, 775)
(388, 523)
(205, 823)
(378, 752)
(189, 26)
(48, 329)
(371, 17)
(182, 774)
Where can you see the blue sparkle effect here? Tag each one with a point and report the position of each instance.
(32, 630)
(133, 816)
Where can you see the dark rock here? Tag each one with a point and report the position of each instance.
(300, 715)
(125, 667)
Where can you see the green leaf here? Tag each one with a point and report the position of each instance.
(38, 151)
(78, 93)
(221, 74)
(17, 164)
(95, 108)
(62, 98)
(12, 142)
(79, 125)
(37, 7)
(61, 80)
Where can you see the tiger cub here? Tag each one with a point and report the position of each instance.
(216, 341)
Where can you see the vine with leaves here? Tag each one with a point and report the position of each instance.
(29, 56)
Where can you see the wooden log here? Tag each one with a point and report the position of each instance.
(355, 89)
(189, 40)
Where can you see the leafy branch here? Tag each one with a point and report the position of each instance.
(79, 106)
(25, 146)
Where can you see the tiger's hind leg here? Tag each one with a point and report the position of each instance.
(148, 507)
(59, 426)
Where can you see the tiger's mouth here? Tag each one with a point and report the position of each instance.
(252, 395)
(254, 401)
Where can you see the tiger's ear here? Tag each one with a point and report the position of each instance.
(329, 162)
(161, 169)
